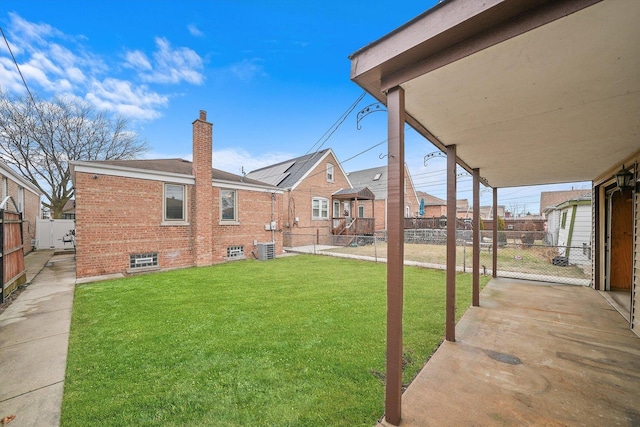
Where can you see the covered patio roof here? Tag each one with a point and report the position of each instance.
(516, 92)
(362, 193)
(533, 92)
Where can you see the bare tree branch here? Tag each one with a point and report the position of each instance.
(40, 138)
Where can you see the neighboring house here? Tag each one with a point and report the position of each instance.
(433, 206)
(574, 234)
(69, 210)
(486, 212)
(27, 198)
(463, 209)
(376, 180)
(140, 215)
(319, 200)
(549, 202)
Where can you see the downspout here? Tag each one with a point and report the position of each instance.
(272, 223)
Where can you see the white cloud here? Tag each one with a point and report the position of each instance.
(232, 160)
(126, 99)
(194, 31)
(235, 159)
(247, 69)
(59, 64)
(137, 60)
(174, 65)
(9, 78)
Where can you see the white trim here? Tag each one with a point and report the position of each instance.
(235, 219)
(321, 159)
(185, 203)
(219, 183)
(10, 173)
(174, 223)
(125, 172)
(330, 176)
(320, 217)
(415, 194)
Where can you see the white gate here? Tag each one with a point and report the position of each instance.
(54, 233)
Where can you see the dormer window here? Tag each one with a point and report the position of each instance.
(329, 172)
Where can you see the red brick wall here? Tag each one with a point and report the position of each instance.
(202, 170)
(314, 185)
(30, 212)
(254, 211)
(116, 217)
(409, 200)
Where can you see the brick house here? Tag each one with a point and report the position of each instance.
(318, 197)
(140, 215)
(433, 206)
(27, 198)
(376, 180)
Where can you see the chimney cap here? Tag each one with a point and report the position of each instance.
(203, 115)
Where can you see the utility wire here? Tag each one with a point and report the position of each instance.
(336, 124)
(17, 66)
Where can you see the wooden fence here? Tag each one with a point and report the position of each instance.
(12, 268)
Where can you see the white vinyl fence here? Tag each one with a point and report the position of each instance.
(55, 234)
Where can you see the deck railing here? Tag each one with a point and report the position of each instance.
(354, 226)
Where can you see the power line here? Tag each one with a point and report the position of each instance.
(17, 66)
(336, 124)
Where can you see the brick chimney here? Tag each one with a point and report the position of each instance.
(202, 220)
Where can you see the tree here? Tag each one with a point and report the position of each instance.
(39, 139)
(502, 237)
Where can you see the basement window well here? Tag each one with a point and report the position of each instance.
(143, 261)
(235, 252)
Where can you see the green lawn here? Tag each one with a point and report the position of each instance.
(296, 341)
(534, 260)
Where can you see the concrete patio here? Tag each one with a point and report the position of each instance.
(532, 354)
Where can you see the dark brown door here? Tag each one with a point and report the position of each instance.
(621, 240)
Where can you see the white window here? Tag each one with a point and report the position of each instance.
(319, 208)
(336, 209)
(360, 211)
(5, 191)
(228, 205)
(329, 172)
(174, 202)
(377, 176)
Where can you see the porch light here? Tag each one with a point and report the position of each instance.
(624, 179)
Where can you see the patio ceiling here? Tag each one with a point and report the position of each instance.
(529, 92)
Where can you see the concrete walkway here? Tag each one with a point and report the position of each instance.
(34, 336)
(531, 355)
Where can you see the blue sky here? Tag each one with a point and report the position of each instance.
(273, 76)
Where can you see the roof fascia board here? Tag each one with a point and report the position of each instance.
(315, 165)
(486, 36)
(220, 183)
(6, 170)
(569, 203)
(609, 174)
(415, 194)
(125, 172)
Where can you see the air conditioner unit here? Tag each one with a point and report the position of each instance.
(266, 251)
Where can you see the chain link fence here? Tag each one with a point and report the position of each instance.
(521, 255)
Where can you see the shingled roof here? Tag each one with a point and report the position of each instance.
(179, 166)
(288, 173)
(551, 199)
